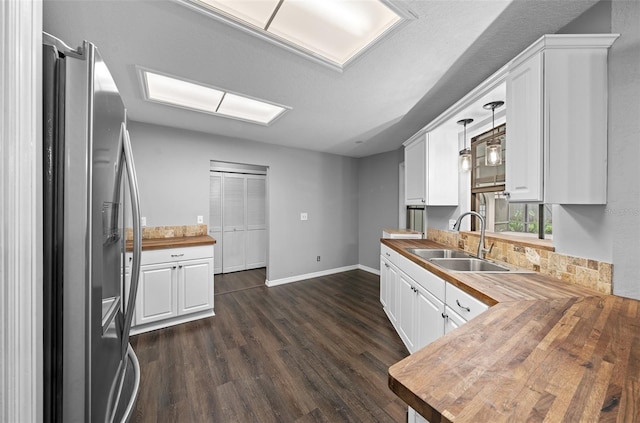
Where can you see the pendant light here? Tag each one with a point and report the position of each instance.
(493, 151)
(465, 153)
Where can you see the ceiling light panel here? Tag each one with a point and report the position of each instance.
(332, 31)
(248, 109)
(255, 12)
(335, 29)
(181, 93)
(176, 92)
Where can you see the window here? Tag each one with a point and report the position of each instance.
(488, 198)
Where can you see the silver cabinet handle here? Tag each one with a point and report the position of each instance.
(386, 265)
(177, 255)
(388, 255)
(444, 316)
(462, 307)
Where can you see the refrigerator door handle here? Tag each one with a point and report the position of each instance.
(137, 236)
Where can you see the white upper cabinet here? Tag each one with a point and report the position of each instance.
(431, 169)
(415, 161)
(557, 121)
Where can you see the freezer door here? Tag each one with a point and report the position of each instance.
(106, 238)
(93, 319)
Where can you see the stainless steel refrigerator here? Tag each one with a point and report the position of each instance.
(90, 195)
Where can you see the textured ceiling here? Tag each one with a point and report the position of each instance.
(384, 97)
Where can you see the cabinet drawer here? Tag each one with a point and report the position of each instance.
(389, 254)
(177, 254)
(464, 304)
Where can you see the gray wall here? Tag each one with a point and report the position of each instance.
(173, 172)
(378, 202)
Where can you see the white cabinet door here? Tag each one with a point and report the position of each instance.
(384, 295)
(157, 291)
(256, 238)
(524, 119)
(575, 135)
(215, 217)
(442, 168)
(428, 318)
(452, 320)
(406, 310)
(195, 286)
(414, 417)
(393, 282)
(415, 156)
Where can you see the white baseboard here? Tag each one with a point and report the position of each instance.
(369, 269)
(306, 276)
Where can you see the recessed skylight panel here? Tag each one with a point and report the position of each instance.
(255, 12)
(333, 30)
(180, 93)
(248, 109)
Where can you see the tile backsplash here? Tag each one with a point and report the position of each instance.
(154, 232)
(593, 274)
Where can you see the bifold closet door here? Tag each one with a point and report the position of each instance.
(215, 218)
(256, 229)
(237, 221)
(233, 222)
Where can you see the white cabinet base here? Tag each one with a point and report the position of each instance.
(171, 322)
(176, 286)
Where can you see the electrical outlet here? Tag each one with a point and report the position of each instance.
(318, 259)
(451, 224)
(143, 221)
(304, 216)
(200, 219)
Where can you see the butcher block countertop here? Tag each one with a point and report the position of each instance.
(545, 351)
(174, 242)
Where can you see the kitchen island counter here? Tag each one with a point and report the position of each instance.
(545, 350)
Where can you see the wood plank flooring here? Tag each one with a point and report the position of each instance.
(236, 281)
(310, 351)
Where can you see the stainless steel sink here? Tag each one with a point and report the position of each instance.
(469, 264)
(427, 253)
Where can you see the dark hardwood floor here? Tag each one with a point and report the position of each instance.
(310, 351)
(236, 281)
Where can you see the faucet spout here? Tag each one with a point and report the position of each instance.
(481, 250)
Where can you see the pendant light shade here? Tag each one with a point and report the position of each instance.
(465, 153)
(493, 152)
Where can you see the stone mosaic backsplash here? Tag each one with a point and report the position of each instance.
(593, 274)
(154, 232)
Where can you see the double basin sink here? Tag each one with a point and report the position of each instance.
(458, 261)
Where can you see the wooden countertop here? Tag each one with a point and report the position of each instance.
(546, 351)
(176, 242)
(400, 231)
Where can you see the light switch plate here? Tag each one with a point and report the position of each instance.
(304, 216)
(200, 219)
(143, 221)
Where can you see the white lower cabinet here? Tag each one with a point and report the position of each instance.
(175, 286)
(419, 314)
(157, 295)
(414, 417)
(421, 306)
(452, 320)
